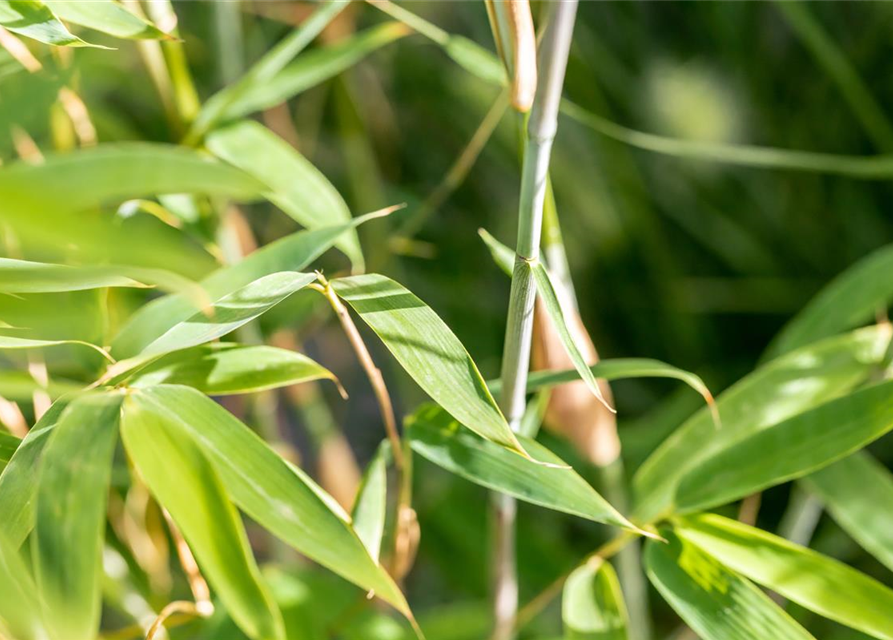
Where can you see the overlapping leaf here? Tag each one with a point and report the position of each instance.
(592, 606)
(8, 445)
(370, 508)
(106, 16)
(20, 614)
(32, 18)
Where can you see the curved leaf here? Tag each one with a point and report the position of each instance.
(592, 606)
(812, 580)
(106, 16)
(34, 19)
(11, 342)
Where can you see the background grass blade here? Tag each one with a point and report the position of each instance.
(69, 531)
(106, 16)
(428, 351)
(225, 368)
(852, 490)
(790, 449)
(715, 602)
(592, 606)
(185, 483)
(275, 494)
(812, 580)
(295, 185)
(34, 19)
(435, 436)
(370, 508)
(8, 445)
(778, 390)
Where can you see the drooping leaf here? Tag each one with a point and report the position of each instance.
(17, 486)
(264, 70)
(106, 16)
(812, 580)
(275, 494)
(11, 342)
(20, 614)
(852, 490)
(428, 351)
(790, 449)
(715, 602)
(226, 368)
(8, 445)
(437, 437)
(69, 531)
(370, 508)
(34, 19)
(185, 483)
(778, 390)
(592, 606)
(850, 299)
(292, 253)
(294, 184)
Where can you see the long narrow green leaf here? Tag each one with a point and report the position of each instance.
(592, 606)
(812, 580)
(853, 490)
(185, 483)
(437, 437)
(501, 254)
(790, 449)
(428, 351)
(553, 307)
(8, 445)
(106, 16)
(20, 614)
(774, 392)
(34, 19)
(295, 185)
(215, 108)
(715, 602)
(11, 342)
(370, 507)
(292, 253)
(850, 299)
(69, 529)
(225, 368)
(17, 486)
(20, 386)
(275, 494)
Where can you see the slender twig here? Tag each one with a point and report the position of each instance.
(182, 607)
(541, 129)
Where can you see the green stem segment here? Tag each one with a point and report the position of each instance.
(541, 129)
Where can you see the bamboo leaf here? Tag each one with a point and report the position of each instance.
(851, 490)
(592, 606)
(435, 436)
(275, 494)
(184, 482)
(295, 185)
(428, 351)
(69, 530)
(8, 445)
(11, 342)
(106, 16)
(774, 392)
(790, 449)
(20, 615)
(812, 580)
(850, 299)
(34, 19)
(225, 368)
(715, 602)
(370, 508)
(292, 253)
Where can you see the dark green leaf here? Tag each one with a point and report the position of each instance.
(8, 445)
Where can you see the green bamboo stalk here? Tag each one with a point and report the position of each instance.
(541, 129)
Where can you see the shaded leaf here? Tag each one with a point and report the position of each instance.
(69, 530)
(185, 483)
(435, 436)
(20, 615)
(226, 368)
(715, 602)
(774, 392)
(790, 449)
(34, 19)
(370, 508)
(8, 445)
(295, 185)
(428, 351)
(592, 606)
(275, 494)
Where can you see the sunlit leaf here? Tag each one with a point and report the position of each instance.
(226, 368)
(294, 184)
(502, 255)
(370, 508)
(34, 19)
(715, 602)
(774, 392)
(789, 449)
(274, 493)
(437, 437)
(69, 530)
(812, 580)
(106, 16)
(851, 490)
(185, 483)
(592, 606)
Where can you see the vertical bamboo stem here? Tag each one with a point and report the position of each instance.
(541, 129)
